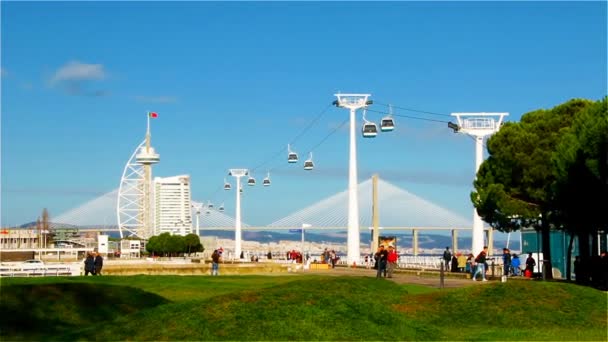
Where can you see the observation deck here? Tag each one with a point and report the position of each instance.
(147, 156)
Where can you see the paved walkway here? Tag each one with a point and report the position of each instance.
(400, 278)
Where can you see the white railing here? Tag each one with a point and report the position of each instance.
(40, 271)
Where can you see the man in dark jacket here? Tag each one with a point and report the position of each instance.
(506, 261)
(447, 257)
(382, 258)
(89, 264)
(98, 263)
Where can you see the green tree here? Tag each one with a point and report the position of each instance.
(513, 188)
(580, 165)
(192, 244)
(153, 245)
(163, 244)
(175, 245)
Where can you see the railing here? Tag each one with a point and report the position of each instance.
(42, 271)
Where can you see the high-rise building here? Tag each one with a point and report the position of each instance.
(172, 203)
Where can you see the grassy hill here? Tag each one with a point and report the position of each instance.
(302, 307)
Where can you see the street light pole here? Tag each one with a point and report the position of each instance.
(198, 207)
(304, 226)
(238, 173)
(353, 102)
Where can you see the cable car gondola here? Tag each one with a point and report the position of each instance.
(251, 181)
(209, 204)
(369, 129)
(221, 208)
(226, 185)
(308, 164)
(388, 124)
(292, 157)
(266, 181)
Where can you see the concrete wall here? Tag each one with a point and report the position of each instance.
(191, 269)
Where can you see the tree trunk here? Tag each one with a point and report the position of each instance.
(583, 245)
(585, 257)
(569, 258)
(546, 241)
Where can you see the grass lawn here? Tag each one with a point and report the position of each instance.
(304, 307)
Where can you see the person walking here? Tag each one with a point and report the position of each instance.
(89, 264)
(471, 264)
(515, 263)
(447, 258)
(480, 261)
(215, 266)
(98, 263)
(506, 261)
(392, 258)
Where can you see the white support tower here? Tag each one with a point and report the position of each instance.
(479, 126)
(198, 207)
(134, 206)
(238, 173)
(353, 102)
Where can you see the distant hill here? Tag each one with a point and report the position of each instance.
(425, 240)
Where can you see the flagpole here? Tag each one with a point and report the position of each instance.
(148, 134)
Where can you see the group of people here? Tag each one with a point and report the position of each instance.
(385, 261)
(512, 264)
(329, 257)
(294, 255)
(476, 265)
(93, 263)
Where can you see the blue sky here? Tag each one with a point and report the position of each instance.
(233, 83)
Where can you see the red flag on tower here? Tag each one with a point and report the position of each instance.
(153, 114)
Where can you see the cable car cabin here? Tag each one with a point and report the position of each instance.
(266, 182)
(221, 209)
(309, 165)
(210, 205)
(208, 212)
(241, 190)
(227, 186)
(387, 125)
(292, 157)
(251, 181)
(370, 130)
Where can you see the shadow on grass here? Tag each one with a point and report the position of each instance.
(38, 311)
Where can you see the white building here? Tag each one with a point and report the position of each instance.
(172, 205)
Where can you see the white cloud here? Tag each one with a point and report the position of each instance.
(77, 78)
(156, 99)
(77, 71)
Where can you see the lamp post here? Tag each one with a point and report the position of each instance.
(304, 226)
(198, 207)
(238, 173)
(352, 102)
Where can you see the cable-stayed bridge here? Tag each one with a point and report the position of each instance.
(398, 209)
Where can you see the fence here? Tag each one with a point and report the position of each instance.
(16, 270)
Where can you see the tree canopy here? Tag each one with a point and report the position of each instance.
(168, 245)
(517, 185)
